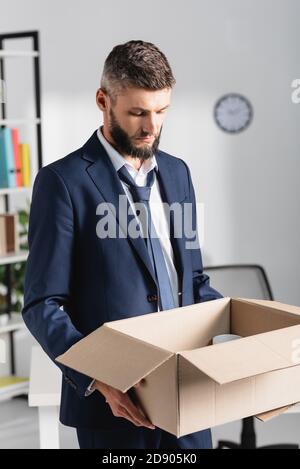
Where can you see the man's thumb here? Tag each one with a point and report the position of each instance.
(137, 385)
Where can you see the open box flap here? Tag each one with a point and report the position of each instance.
(270, 414)
(114, 358)
(248, 356)
(271, 304)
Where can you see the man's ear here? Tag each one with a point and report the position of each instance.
(101, 99)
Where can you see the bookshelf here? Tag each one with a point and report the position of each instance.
(10, 384)
(12, 258)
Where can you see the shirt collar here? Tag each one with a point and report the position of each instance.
(118, 161)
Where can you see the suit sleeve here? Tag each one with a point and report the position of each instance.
(49, 272)
(201, 283)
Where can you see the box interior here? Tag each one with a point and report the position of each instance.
(193, 327)
(185, 328)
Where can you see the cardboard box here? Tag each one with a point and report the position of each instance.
(191, 385)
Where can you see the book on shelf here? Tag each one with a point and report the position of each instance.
(25, 164)
(9, 236)
(12, 384)
(17, 157)
(15, 169)
(7, 173)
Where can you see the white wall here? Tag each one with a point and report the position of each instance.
(247, 182)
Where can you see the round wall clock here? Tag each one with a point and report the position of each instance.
(233, 113)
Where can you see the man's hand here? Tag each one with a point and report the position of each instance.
(122, 406)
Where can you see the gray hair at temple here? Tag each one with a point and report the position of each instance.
(136, 64)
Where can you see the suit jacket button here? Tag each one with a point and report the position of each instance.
(151, 298)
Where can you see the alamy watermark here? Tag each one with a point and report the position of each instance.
(132, 220)
(295, 96)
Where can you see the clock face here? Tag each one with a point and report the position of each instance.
(233, 113)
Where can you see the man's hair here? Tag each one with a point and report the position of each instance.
(136, 63)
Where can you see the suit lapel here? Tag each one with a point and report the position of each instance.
(105, 178)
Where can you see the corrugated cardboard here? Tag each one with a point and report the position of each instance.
(266, 416)
(190, 384)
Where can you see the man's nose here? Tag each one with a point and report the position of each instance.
(150, 126)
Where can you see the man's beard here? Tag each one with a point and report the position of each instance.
(123, 142)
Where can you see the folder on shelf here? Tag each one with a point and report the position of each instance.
(25, 164)
(17, 157)
(3, 162)
(7, 148)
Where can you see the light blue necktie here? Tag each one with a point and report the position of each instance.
(141, 194)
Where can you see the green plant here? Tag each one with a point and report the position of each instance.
(16, 270)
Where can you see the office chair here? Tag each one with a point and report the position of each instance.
(243, 281)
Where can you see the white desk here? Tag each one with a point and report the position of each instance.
(44, 393)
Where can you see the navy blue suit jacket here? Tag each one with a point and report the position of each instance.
(76, 281)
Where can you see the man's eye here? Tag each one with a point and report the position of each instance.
(139, 114)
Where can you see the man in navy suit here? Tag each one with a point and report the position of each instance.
(78, 277)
